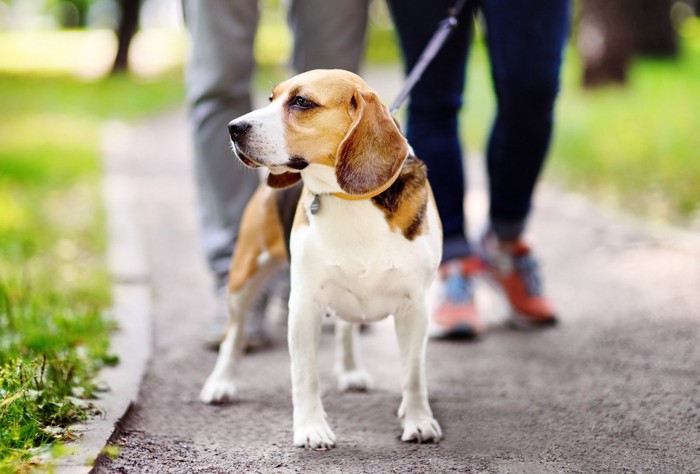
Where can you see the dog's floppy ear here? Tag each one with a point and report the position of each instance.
(283, 180)
(373, 150)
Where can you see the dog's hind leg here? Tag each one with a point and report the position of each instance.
(349, 370)
(220, 386)
(259, 253)
(415, 413)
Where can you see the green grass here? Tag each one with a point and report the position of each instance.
(50, 351)
(54, 286)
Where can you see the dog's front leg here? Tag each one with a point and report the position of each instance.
(415, 413)
(348, 368)
(311, 429)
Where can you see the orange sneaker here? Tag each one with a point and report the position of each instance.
(456, 316)
(514, 269)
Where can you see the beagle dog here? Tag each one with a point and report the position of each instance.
(365, 242)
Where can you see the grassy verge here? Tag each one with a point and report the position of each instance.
(53, 283)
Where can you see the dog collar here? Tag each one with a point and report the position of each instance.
(316, 203)
(370, 195)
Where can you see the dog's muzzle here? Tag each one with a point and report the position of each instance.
(237, 130)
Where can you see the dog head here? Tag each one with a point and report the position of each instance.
(327, 125)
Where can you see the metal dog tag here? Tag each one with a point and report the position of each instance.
(315, 205)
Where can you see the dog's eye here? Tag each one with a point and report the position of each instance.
(270, 98)
(300, 102)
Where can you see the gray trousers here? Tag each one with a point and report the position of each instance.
(327, 34)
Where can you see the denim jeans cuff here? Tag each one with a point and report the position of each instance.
(508, 229)
(455, 246)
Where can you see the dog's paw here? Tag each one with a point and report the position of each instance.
(314, 436)
(355, 381)
(421, 430)
(218, 390)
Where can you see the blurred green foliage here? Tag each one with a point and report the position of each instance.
(636, 145)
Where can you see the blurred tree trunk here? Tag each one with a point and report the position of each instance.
(653, 30)
(604, 41)
(125, 32)
(612, 32)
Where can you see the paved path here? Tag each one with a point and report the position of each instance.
(614, 388)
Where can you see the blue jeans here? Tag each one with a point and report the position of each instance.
(525, 40)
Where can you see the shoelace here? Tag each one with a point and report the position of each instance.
(527, 268)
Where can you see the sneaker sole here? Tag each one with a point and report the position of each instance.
(459, 332)
(521, 321)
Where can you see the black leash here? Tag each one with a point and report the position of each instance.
(434, 45)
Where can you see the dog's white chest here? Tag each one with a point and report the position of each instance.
(361, 269)
(362, 292)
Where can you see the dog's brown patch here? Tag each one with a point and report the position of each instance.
(263, 232)
(405, 202)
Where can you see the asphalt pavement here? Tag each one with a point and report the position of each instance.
(614, 388)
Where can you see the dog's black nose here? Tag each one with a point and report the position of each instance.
(236, 129)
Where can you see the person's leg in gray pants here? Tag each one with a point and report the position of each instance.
(218, 82)
(327, 34)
